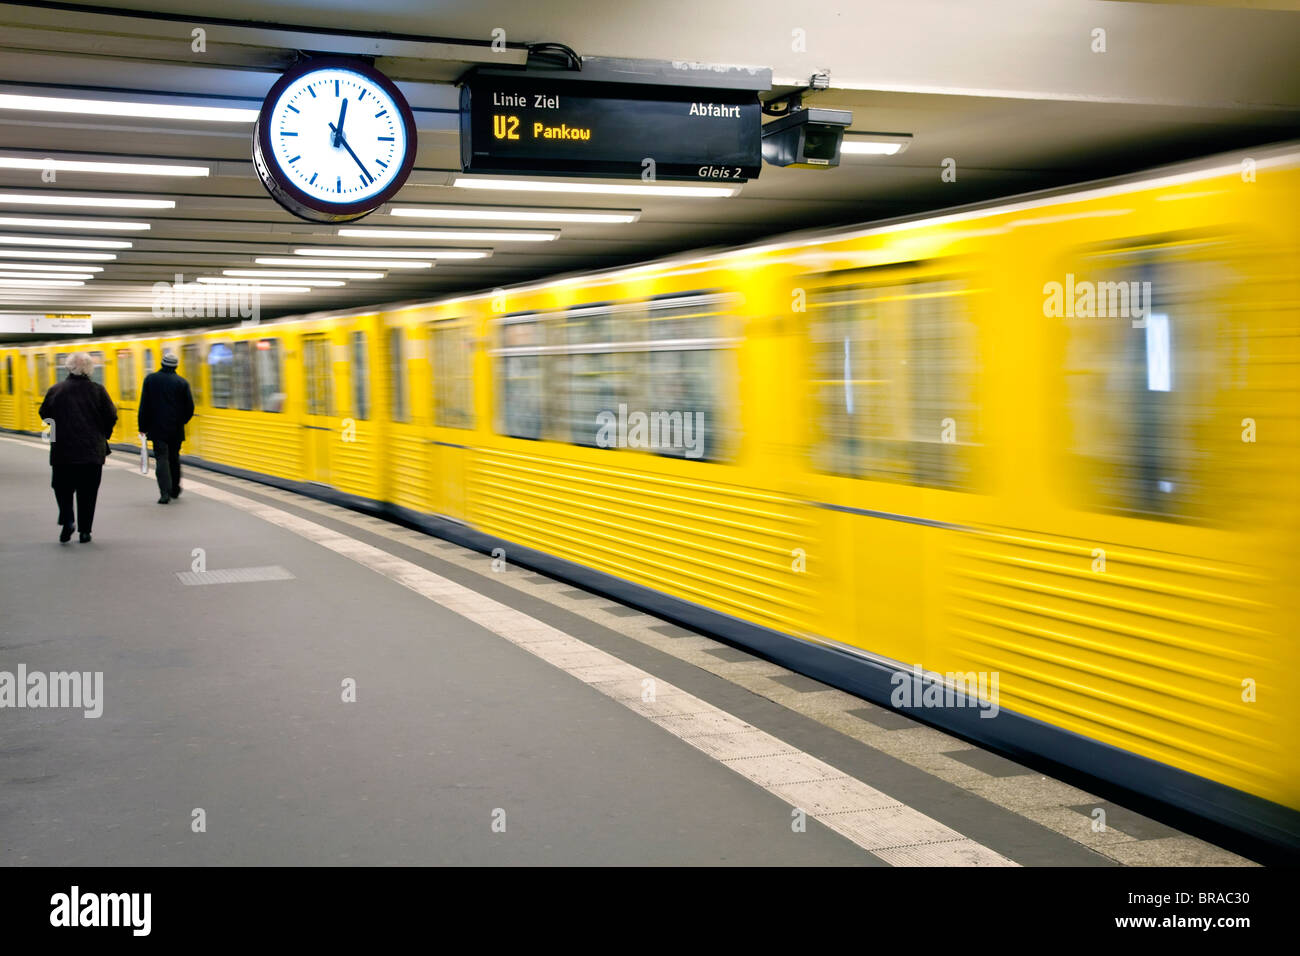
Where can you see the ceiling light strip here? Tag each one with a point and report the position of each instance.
(481, 214)
(598, 189)
(285, 274)
(42, 267)
(355, 252)
(344, 263)
(56, 241)
(94, 166)
(84, 202)
(45, 222)
(452, 235)
(135, 108)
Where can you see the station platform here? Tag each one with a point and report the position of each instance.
(289, 682)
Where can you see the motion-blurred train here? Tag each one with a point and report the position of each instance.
(1045, 449)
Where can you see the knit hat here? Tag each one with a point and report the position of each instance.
(169, 360)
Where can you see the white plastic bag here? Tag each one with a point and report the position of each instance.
(144, 454)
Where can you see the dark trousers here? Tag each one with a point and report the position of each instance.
(167, 466)
(83, 481)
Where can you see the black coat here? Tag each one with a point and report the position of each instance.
(83, 417)
(165, 405)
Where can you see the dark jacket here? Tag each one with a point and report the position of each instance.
(83, 417)
(165, 405)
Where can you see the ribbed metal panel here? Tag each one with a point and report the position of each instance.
(1148, 654)
(723, 546)
(269, 444)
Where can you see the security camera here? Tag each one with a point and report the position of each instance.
(806, 138)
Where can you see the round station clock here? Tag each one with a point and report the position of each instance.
(335, 140)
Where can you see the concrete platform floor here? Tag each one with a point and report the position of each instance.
(499, 717)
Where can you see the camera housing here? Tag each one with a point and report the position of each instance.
(806, 138)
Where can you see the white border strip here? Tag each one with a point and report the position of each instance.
(878, 823)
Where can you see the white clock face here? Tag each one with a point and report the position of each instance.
(337, 136)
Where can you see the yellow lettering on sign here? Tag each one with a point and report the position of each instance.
(564, 131)
(505, 127)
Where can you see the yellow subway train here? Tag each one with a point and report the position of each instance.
(1045, 450)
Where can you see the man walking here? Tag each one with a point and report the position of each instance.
(166, 405)
(80, 417)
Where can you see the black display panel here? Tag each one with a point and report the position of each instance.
(543, 125)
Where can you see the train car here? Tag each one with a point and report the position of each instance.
(1026, 471)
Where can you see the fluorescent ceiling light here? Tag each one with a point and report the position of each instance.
(85, 202)
(34, 254)
(43, 222)
(344, 263)
(51, 241)
(45, 275)
(452, 235)
(346, 251)
(481, 214)
(38, 283)
(172, 111)
(42, 267)
(85, 166)
(285, 274)
(607, 189)
(263, 289)
(230, 280)
(874, 144)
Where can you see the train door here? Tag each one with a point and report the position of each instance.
(451, 346)
(191, 367)
(39, 382)
(8, 397)
(127, 393)
(896, 443)
(318, 411)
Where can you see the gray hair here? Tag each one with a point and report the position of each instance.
(79, 363)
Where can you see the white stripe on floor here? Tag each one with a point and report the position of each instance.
(873, 820)
(896, 833)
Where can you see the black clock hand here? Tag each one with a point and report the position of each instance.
(339, 135)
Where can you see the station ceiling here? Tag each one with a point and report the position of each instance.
(1013, 91)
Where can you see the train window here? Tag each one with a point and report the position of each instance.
(319, 371)
(242, 376)
(220, 359)
(60, 366)
(125, 375)
(647, 376)
(148, 361)
(689, 365)
(42, 372)
(596, 373)
(360, 377)
(453, 390)
(519, 377)
(190, 366)
(894, 382)
(1148, 386)
(9, 374)
(397, 374)
(97, 373)
(266, 370)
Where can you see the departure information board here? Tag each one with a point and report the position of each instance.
(542, 125)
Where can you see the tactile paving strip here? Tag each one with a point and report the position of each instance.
(272, 572)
